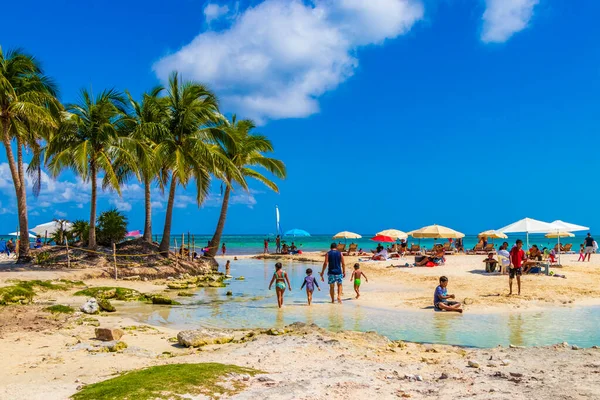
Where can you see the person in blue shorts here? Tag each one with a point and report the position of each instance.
(336, 271)
(441, 296)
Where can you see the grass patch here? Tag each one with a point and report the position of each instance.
(117, 293)
(16, 295)
(166, 382)
(60, 309)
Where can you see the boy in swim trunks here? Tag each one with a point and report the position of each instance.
(280, 278)
(356, 275)
(441, 296)
(310, 281)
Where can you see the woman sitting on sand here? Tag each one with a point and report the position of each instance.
(438, 258)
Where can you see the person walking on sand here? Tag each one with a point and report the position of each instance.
(278, 244)
(310, 282)
(589, 247)
(223, 249)
(266, 248)
(356, 275)
(336, 271)
(517, 255)
(280, 277)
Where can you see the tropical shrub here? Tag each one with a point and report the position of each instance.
(81, 230)
(112, 227)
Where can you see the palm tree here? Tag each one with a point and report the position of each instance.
(189, 151)
(29, 111)
(147, 119)
(89, 142)
(245, 150)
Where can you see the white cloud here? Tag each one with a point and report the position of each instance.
(278, 57)
(157, 205)
(60, 214)
(214, 11)
(183, 200)
(503, 18)
(120, 204)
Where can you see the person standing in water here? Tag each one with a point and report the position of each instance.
(223, 249)
(310, 282)
(228, 267)
(356, 275)
(336, 271)
(266, 248)
(280, 277)
(278, 244)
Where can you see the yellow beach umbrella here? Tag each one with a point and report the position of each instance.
(555, 235)
(346, 235)
(493, 234)
(436, 232)
(393, 233)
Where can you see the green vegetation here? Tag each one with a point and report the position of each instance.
(22, 292)
(245, 151)
(105, 305)
(108, 292)
(16, 295)
(139, 328)
(158, 299)
(167, 382)
(185, 294)
(60, 309)
(112, 227)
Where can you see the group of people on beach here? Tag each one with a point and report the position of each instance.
(336, 272)
(279, 248)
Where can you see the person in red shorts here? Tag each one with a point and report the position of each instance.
(517, 255)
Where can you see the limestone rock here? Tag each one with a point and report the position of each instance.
(158, 299)
(203, 337)
(90, 307)
(108, 334)
(105, 305)
(473, 364)
(229, 293)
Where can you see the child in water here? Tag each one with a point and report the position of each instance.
(356, 275)
(310, 282)
(228, 268)
(280, 277)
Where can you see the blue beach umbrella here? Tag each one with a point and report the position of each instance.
(297, 233)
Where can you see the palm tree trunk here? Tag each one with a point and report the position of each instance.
(216, 239)
(19, 190)
(92, 235)
(148, 205)
(166, 237)
(22, 208)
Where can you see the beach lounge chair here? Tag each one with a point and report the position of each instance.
(448, 247)
(489, 248)
(558, 249)
(353, 248)
(415, 249)
(477, 249)
(341, 247)
(567, 248)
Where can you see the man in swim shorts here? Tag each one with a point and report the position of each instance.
(336, 272)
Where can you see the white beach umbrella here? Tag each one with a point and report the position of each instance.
(567, 227)
(18, 234)
(346, 235)
(529, 225)
(393, 233)
(50, 228)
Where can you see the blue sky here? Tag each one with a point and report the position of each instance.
(393, 113)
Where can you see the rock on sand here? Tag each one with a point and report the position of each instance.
(202, 337)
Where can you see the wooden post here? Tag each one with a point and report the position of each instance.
(45, 238)
(68, 257)
(176, 258)
(115, 259)
(189, 248)
(193, 247)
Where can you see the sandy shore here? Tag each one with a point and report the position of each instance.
(47, 356)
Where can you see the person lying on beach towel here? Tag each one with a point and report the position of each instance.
(382, 255)
(441, 296)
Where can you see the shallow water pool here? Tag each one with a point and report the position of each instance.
(254, 306)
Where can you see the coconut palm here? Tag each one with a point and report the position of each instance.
(245, 150)
(29, 111)
(147, 125)
(189, 150)
(89, 143)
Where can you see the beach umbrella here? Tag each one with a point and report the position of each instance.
(554, 235)
(492, 234)
(297, 232)
(346, 235)
(436, 232)
(529, 225)
(382, 238)
(567, 227)
(18, 234)
(50, 228)
(393, 233)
